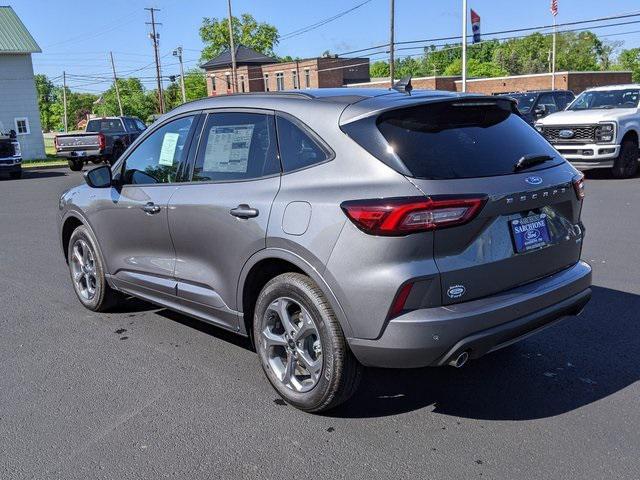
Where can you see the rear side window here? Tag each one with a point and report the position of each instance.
(297, 148)
(237, 146)
(450, 140)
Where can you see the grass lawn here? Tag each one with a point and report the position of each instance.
(49, 161)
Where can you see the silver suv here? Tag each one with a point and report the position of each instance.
(338, 228)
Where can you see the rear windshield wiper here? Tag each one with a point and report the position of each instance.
(527, 161)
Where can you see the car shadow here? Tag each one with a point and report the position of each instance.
(28, 174)
(603, 174)
(565, 367)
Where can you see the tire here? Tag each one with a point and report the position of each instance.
(16, 175)
(75, 164)
(626, 165)
(324, 371)
(96, 161)
(83, 251)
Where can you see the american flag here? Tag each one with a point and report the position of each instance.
(554, 7)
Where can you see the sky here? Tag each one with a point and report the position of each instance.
(76, 36)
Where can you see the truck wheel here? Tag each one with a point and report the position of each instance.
(626, 165)
(75, 164)
(301, 346)
(16, 175)
(115, 153)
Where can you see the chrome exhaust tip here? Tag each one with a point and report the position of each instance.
(460, 360)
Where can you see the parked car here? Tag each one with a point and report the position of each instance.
(599, 129)
(104, 140)
(538, 104)
(338, 228)
(10, 154)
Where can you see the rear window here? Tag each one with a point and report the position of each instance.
(462, 139)
(105, 125)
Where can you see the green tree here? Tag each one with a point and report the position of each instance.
(476, 68)
(247, 31)
(379, 69)
(630, 60)
(195, 87)
(45, 91)
(135, 100)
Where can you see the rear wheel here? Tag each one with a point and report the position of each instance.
(75, 164)
(301, 346)
(626, 165)
(115, 153)
(88, 272)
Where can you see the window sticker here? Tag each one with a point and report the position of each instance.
(228, 149)
(168, 150)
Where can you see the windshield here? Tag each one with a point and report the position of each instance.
(597, 99)
(524, 101)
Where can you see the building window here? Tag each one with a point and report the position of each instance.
(294, 75)
(307, 78)
(22, 126)
(280, 81)
(213, 83)
(242, 83)
(266, 82)
(227, 77)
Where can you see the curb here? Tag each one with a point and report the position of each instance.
(42, 167)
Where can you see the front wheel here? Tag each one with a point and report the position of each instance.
(301, 345)
(88, 272)
(626, 165)
(16, 175)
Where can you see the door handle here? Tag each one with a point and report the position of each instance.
(244, 211)
(151, 208)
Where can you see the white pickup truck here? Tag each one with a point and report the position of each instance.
(599, 129)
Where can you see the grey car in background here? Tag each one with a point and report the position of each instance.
(338, 228)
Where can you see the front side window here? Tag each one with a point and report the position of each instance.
(140, 125)
(237, 146)
(297, 148)
(156, 159)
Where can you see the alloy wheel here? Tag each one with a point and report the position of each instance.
(83, 270)
(292, 344)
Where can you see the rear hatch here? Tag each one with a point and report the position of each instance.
(78, 141)
(529, 224)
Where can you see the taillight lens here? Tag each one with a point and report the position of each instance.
(578, 186)
(397, 307)
(402, 216)
(102, 142)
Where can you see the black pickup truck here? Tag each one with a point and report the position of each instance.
(104, 140)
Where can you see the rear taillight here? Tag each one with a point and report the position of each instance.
(402, 216)
(578, 185)
(102, 142)
(397, 307)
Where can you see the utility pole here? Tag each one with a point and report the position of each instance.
(64, 99)
(178, 53)
(464, 45)
(154, 36)
(391, 45)
(553, 56)
(234, 78)
(115, 82)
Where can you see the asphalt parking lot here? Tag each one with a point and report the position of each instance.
(147, 393)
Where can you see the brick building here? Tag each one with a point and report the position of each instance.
(574, 81)
(258, 73)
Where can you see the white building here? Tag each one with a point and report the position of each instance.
(18, 98)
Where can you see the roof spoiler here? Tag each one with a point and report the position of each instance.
(403, 85)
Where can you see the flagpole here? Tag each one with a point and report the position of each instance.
(553, 56)
(464, 45)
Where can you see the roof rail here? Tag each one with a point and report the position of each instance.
(307, 96)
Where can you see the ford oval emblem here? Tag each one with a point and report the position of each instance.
(456, 291)
(566, 133)
(533, 180)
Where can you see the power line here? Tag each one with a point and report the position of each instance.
(321, 23)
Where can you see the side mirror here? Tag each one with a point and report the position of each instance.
(12, 134)
(99, 177)
(540, 111)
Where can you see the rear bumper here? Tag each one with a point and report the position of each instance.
(433, 336)
(81, 154)
(585, 157)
